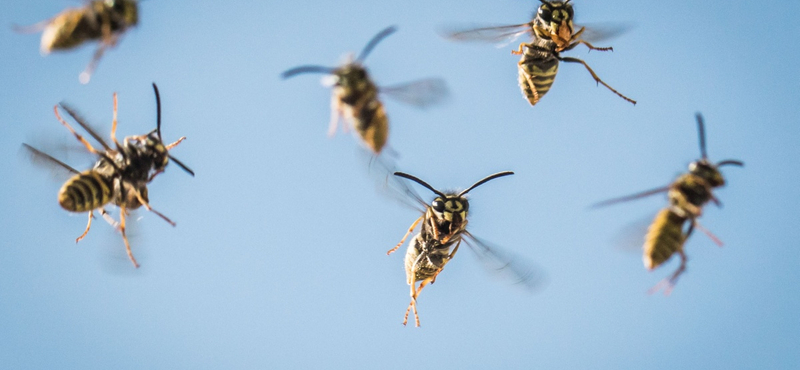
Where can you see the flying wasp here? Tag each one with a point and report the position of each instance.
(103, 20)
(687, 196)
(552, 32)
(355, 95)
(120, 175)
(444, 227)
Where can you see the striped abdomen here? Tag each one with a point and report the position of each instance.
(537, 71)
(664, 237)
(69, 29)
(372, 125)
(423, 260)
(85, 191)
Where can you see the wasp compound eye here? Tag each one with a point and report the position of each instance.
(438, 205)
(545, 13)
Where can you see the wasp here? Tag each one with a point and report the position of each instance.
(552, 31)
(444, 227)
(355, 95)
(99, 20)
(687, 195)
(120, 175)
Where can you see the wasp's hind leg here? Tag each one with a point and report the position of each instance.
(89, 225)
(669, 283)
(596, 78)
(125, 237)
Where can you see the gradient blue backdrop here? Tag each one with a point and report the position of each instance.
(278, 259)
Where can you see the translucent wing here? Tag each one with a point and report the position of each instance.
(630, 237)
(501, 35)
(43, 159)
(421, 93)
(382, 171)
(626, 198)
(595, 32)
(518, 270)
(82, 122)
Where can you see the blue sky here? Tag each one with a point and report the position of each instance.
(278, 258)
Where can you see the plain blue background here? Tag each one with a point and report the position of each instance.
(278, 259)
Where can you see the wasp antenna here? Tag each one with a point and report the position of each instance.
(306, 69)
(485, 179)
(181, 165)
(731, 162)
(702, 133)
(374, 42)
(158, 110)
(419, 181)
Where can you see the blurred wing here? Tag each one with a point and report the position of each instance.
(500, 35)
(382, 170)
(518, 270)
(630, 238)
(82, 122)
(631, 197)
(421, 93)
(45, 160)
(595, 32)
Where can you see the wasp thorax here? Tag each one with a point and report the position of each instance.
(707, 172)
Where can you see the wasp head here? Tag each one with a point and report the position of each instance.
(556, 17)
(451, 208)
(708, 172)
(351, 76)
(126, 10)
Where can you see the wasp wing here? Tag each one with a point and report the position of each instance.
(82, 122)
(382, 170)
(43, 159)
(496, 260)
(626, 198)
(500, 35)
(421, 93)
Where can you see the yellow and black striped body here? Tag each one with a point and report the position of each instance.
(442, 226)
(426, 258)
(689, 193)
(86, 191)
(537, 69)
(96, 20)
(664, 237)
(358, 102)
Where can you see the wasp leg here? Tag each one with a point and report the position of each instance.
(125, 237)
(410, 230)
(114, 124)
(594, 75)
(336, 114)
(708, 233)
(86, 75)
(519, 50)
(590, 46)
(80, 138)
(147, 206)
(111, 221)
(450, 257)
(109, 40)
(413, 304)
(91, 216)
(170, 146)
(669, 283)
